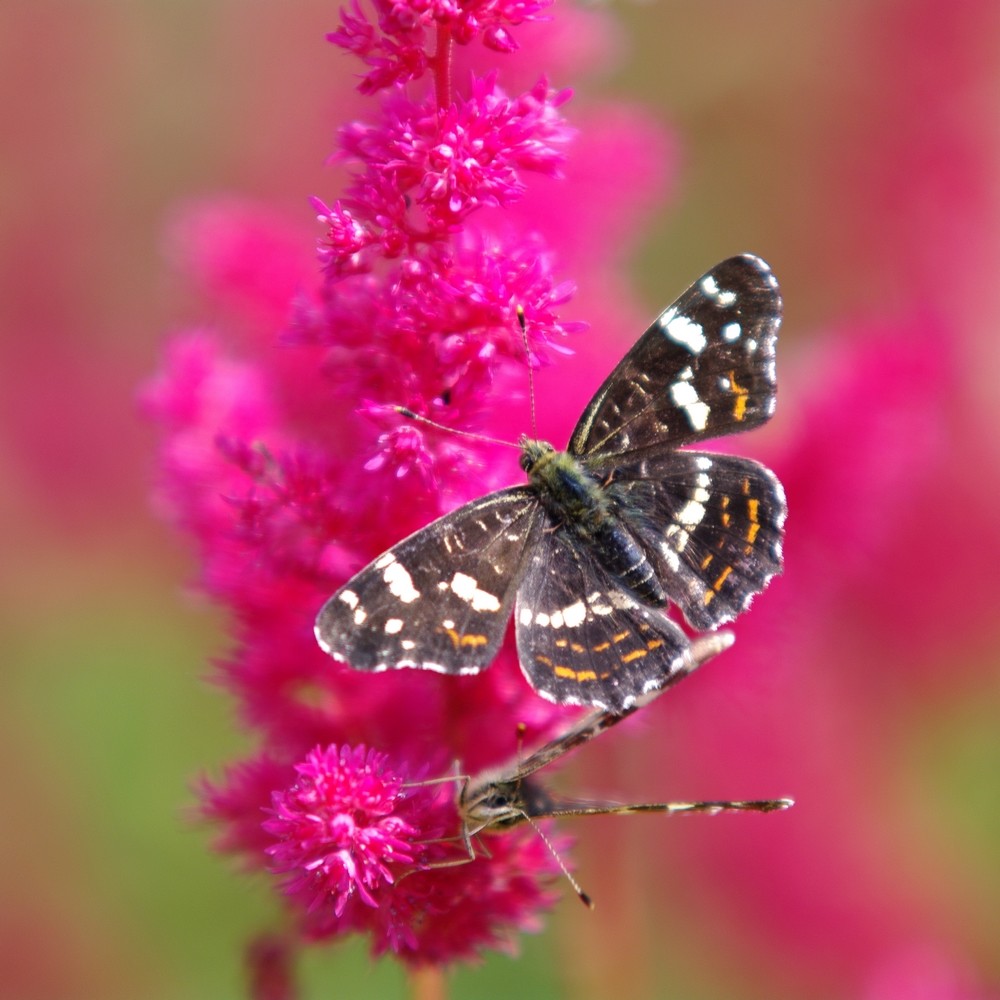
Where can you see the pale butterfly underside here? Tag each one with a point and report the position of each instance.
(504, 797)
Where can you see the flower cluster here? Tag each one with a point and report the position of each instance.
(291, 469)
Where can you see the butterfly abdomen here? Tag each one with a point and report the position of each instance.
(577, 502)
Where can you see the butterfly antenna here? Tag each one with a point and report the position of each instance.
(584, 898)
(531, 368)
(405, 411)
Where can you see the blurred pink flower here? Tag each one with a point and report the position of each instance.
(842, 635)
(925, 972)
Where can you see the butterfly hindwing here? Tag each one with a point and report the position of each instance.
(704, 368)
(713, 526)
(441, 598)
(582, 639)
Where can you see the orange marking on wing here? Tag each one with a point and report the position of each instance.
(620, 636)
(707, 560)
(745, 486)
(543, 660)
(722, 578)
(458, 640)
(654, 644)
(636, 654)
(601, 647)
(742, 394)
(575, 675)
(753, 512)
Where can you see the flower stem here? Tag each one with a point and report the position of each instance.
(442, 67)
(428, 983)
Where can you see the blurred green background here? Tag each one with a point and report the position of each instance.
(112, 114)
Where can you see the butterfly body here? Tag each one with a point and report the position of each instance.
(577, 501)
(604, 535)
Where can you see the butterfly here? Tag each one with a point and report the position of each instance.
(604, 536)
(501, 798)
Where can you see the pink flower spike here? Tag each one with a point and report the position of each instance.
(338, 835)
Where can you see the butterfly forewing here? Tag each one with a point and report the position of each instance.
(581, 639)
(712, 525)
(704, 368)
(441, 598)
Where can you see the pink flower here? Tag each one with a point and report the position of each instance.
(338, 835)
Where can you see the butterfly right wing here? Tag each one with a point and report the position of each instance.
(704, 368)
(712, 526)
(441, 598)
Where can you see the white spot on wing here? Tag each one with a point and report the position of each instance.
(686, 397)
(679, 537)
(691, 513)
(574, 615)
(393, 625)
(732, 332)
(349, 598)
(683, 330)
(466, 588)
(359, 616)
(399, 582)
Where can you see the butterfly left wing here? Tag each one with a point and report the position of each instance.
(704, 368)
(581, 639)
(441, 598)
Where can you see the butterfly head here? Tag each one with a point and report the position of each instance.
(498, 802)
(534, 453)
